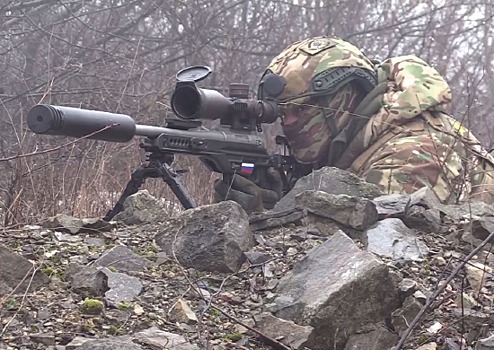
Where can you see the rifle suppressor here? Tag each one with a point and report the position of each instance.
(76, 122)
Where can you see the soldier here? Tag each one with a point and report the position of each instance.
(386, 122)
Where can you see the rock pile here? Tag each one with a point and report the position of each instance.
(336, 265)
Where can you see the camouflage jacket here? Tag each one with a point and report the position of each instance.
(412, 142)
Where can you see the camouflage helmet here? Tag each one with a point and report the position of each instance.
(320, 66)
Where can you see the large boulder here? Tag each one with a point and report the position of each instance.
(392, 239)
(208, 238)
(354, 212)
(337, 289)
(141, 208)
(16, 274)
(330, 180)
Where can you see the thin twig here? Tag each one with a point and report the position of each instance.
(35, 153)
(438, 291)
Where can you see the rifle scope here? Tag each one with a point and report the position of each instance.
(191, 102)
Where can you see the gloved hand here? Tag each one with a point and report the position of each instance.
(250, 196)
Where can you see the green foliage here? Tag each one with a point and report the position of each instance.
(10, 304)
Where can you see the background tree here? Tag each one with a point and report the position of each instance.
(122, 56)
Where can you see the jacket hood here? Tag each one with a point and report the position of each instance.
(413, 88)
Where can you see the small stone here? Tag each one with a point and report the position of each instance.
(429, 346)
(420, 296)
(158, 339)
(436, 327)
(257, 258)
(486, 343)
(123, 259)
(401, 318)
(291, 251)
(477, 275)
(407, 287)
(47, 339)
(289, 333)
(77, 342)
(182, 313)
(440, 260)
(466, 301)
(138, 310)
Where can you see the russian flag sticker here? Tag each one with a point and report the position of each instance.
(247, 168)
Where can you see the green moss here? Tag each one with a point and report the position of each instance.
(113, 330)
(48, 271)
(92, 306)
(124, 305)
(233, 337)
(214, 313)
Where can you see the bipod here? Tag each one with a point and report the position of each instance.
(157, 167)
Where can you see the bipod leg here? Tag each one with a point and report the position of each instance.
(169, 175)
(136, 180)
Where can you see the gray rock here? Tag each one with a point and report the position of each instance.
(72, 225)
(472, 319)
(141, 208)
(425, 197)
(336, 287)
(257, 258)
(182, 313)
(123, 259)
(406, 288)
(467, 210)
(392, 205)
(422, 219)
(64, 223)
(77, 342)
(158, 339)
(379, 338)
(122, 288)
(271, 219)
(485, 344)
(287, 332)
(401, 318)
(16, 274)
(47, 339)
(94, 242)
(67, 237)
(418, 210)
(209, 238)
(330, 180)
(391, 238)
(93, 225)
(113, 343)
(451, 344)
(357, 213)
(87, 281)
(481, 228)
